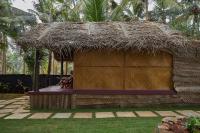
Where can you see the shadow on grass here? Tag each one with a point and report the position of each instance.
(146, 108)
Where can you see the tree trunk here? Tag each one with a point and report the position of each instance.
(74, 3)
(24, 67)
(163, 17)
(146, 4)
(4, 54)
(4, 61)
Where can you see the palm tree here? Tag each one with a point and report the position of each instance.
(146, 6)
(12, 21)
(134, 9)
(163, 10)
(189, 20)
(48, 12)
(94, 10)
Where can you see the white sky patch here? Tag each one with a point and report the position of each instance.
(151, 4)
(24, 5)
(28, 4)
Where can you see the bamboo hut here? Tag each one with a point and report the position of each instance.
(118, 64)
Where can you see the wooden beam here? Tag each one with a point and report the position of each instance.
(36, 72)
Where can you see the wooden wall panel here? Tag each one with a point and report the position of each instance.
(148, 78)
(144, 59)
(96, 78)
(118, 70)
(99, 58)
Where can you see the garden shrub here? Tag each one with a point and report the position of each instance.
(193, 124)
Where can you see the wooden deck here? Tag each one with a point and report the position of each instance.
(57, 90)
(53, 97)
(52, 90)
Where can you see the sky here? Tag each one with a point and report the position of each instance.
(24, 5)
(28, 4)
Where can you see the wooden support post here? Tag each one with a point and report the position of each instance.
(49, 63)
(66, 67)
(61, 65)
(49, 67)
(36, 71)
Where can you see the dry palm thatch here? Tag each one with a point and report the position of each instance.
(69, 37)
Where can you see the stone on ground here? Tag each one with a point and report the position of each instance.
(17, 116)
(167, 113)
(12, 106)
(21, 98)
(2, 115)
(83, 115)
(26, 97)
(61, 115)
(104, 115)
(125, 114)
(146, 114)
(188, 112)
(1, 106)
(6, 102)
(2, 101)
(19, 103)
(21, 110)
(40, 116)
(2, 111)
(198, 112)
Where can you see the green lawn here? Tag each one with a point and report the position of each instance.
(115, 125)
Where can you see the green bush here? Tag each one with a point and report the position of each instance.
(4, 87)
(193, 124)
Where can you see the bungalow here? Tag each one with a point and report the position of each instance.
(117, 64)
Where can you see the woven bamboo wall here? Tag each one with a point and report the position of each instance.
(186, 72)
(118, 70)
(98, 70)
(148, 71)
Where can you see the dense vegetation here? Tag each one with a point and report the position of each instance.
(183, 15)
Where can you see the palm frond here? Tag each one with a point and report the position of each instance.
(119, 10)
(94, 10)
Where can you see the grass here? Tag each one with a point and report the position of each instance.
(7, 96)
(116, 125)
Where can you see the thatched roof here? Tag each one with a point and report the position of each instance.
(69, 37)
